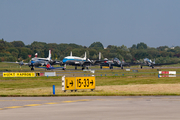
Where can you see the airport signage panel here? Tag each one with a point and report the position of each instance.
(21, 74)
(77, 83)
(85, 82)
(25, 74)
(8, 74)
(50, 74)
(69, 83)
(167, 72)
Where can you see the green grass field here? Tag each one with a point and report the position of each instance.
(108, 82)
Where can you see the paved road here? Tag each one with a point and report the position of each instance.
(88, 108)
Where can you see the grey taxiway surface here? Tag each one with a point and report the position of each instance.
(90, 107)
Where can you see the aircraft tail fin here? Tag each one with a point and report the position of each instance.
(154, 61)
(71, 53)
(49, 57)
(99, 55)
(85, 55)
(36, 54)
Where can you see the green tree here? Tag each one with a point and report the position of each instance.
(24, 52)
(141, 45)
(97, 46)
(18, 44)
(140, 54)
(162, 48)
(134, 46)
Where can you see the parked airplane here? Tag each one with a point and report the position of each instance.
(97, 62)
(76, 61)
(115, 62)
(148, 62)
(36, 61)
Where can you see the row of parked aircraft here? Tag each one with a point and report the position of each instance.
(83, 62)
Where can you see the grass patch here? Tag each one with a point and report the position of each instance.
(105, 86)
(108, 82)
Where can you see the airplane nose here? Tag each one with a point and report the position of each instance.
(32, 62)
(64, 60)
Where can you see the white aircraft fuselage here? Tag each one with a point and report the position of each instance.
(73, 60)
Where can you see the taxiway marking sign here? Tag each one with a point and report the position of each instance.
(69, 83)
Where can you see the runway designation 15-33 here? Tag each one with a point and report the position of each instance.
(85, 82)
(76, 83)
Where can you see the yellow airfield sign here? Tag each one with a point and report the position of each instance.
(69, 83)
(16, 74)
(85, 82)
(76, 83)
(25, 74)
(8, 74)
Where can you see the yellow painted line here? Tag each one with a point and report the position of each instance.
(52, 103)
(1, 108)
(68, 101)
(14, 107)
(33, 105)
(76, 101)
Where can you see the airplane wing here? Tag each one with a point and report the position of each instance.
(87, 63)
(160, 64)
(157, 64)
(51, 68)
(98, 62)
(20, 63)
(55, 62)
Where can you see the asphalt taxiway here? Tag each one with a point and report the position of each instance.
(91, 107)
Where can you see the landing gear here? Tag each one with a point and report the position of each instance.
(152, 67)
(100, 67)
(110, 67)
(75, 67)
(32, 68)
(82, 68)
(121, 67)
(141, 67)
(64, 68)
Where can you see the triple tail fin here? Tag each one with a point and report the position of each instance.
(36, 55)
(154, 61)
(85, 55)
(99, 55)
(49, 57)
(71, 53)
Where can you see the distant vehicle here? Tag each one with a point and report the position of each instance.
(76, 61)
(115, 62)
(148, 62)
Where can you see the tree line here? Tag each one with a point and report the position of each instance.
(17, 51)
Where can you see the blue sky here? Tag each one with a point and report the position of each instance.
(111, 22)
